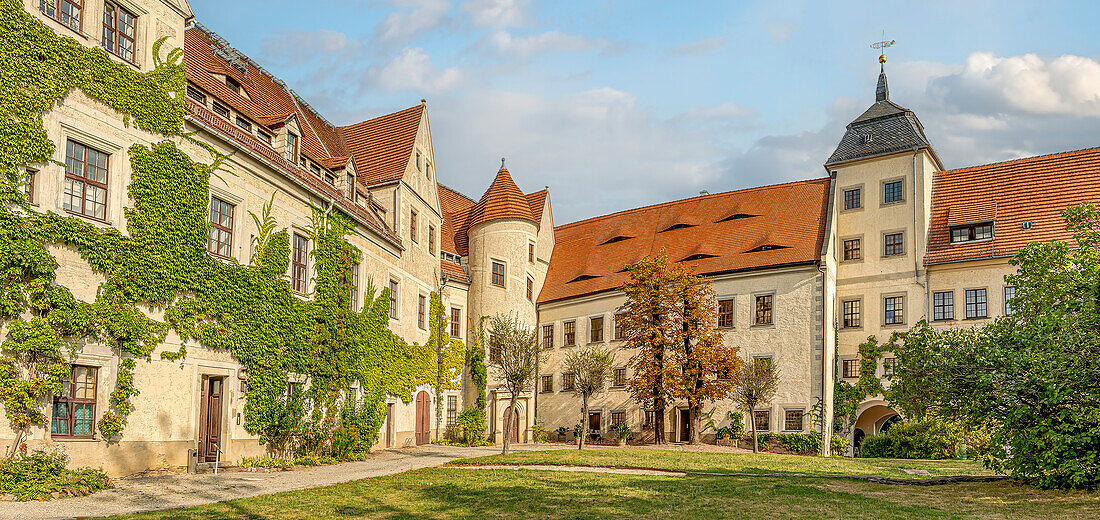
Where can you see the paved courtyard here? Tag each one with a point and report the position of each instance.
(141, 494)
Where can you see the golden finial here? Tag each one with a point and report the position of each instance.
(882, 44)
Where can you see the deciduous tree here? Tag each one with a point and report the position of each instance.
(643, 316)
(590, 367)
(756, 386)
(513, 353)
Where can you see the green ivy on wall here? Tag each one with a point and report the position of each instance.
(162, 263)
(846, 396)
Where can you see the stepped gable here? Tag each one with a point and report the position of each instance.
(1024, 199)
(718, 233)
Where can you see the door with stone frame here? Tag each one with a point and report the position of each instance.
(423, 420)
(210, 418)
(511, 424)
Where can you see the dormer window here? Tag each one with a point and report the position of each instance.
(349, 180)
(196, 94)
(736, 216)
(314, 169)
(292, 147)
(330, 179)
(674, 227)
(698, 256)
(233, 85)
(221, 109)
(616, 238)
(583, 277)
(767, 247)
(972, 233)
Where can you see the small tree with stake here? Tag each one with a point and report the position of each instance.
(756, 386)
(590, 367)
(513, 353)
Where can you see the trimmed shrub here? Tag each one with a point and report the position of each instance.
(40, 474)
(930, 438)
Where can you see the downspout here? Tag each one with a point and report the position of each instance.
(822, 269)
(916, 260)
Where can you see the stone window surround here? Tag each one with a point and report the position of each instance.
(603, 328)
(952, 307)
(882, 191)
(104, 366)
(862, 248)
(904, 252)
(986, 303)
(395, 298)
(771, 324)
(862, 308)
(91, 27)
(862, 198)
(733, 299)
(118, 166)
(503, 262)
(849, 357)
(904, 309)
(793, 408)
(239, 208)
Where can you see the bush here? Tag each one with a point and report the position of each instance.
(622, 431)
(839, 444)
(37, 475)
(539, 433)
(267, 462)
(802, 443)
(930, 438)
(357, 429)
(472, 422)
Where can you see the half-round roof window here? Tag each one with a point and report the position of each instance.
(737, 216)
(616, 238)
(698, 256)
(680, 225)
(766, 247)
(583, 277)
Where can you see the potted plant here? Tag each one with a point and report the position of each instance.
(622, 432)
(577, 432)
(562, 433)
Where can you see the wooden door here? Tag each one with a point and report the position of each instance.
(423, 423)
(210, 419)
(511, 424)
(685, 425)
(594, 420)
(389, 425)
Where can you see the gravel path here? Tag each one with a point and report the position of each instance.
(142, 494)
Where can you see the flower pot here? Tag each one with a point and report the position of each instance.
(622, 443)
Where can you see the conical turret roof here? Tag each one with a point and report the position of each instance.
(503, 200)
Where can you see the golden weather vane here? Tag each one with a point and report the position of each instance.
(882, 45)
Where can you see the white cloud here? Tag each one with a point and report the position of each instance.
(414, 17)
(497, 13)
(297, 47)
(697, 48)
(504, 43)
(412, 69)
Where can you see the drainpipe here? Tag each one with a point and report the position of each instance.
(825, 421)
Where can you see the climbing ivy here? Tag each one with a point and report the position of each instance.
(846, 396)
(161, 262)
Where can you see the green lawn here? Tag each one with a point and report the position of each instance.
(734, 462)
(452, 493)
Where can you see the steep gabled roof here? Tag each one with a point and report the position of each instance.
(1033, 190)
(456, 214)
(382, 146)
(793, 215)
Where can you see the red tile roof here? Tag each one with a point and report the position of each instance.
(383, 146)
(537, 200)
(1034, 189)
(456, 212)
(503, 200)
(455, 271)
(723, 233)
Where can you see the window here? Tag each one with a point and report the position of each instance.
(298, 263)
(620, 326)
(650, 417)
(725, 313)
(618, 418)
(494, 352)
(28, 188)
(792, 420)
(850, 368)
(431, 240)
(294, 388)
(547, 384)
(894, 311)
(568, 382)
(85, 181)
(530, 289)
(975, 304)
(971, 233)
(570, 333)
(74, 410)
(851, 314)
(233, 84)
(393, 299)
(264, 136)
(852, 199)
(412, 227)
(758, 361)
(427, 170)
(853, 249)
(498, 274)
(418, 167)
(68, 12)
(452, 410)
(531, 252)
(421, 312)
(891, 192)
(221, 110)
(618, 377)
(349, 189)
(329, 179)
(456, 322)
(763, 420)
(943, 306)
(292, 147)
(1010, 293)
(891, 244)
(763, 310)
(118, 31)
(196, 94)
(354, 282)
(548, 336)
(220, 241)
(595, 329)
(889, 365)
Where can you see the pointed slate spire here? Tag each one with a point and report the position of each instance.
(882, 92)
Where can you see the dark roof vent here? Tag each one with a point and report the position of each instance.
(737, 216)
(766, 247)
(583, 277)
(616, 238)
(1027, 225)
(698, 256)
(674, 227)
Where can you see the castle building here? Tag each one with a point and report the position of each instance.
(804, 271)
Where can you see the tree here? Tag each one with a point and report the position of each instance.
(702, 368)
(513, 353)
(590, 367)
(1031, 376)
(642, 318)
(756, 386)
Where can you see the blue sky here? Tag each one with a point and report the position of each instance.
(619, 104)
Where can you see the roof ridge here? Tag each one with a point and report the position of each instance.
(456, 192)
(365, 121)
(1022, 159)
(671, 202)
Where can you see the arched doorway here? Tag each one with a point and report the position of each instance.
(857, 440)
(887, 422)
(423, 423)
(511, 424)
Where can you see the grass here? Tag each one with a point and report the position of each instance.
(758, 463)
(456, 493)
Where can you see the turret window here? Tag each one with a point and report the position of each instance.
(498, 274)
